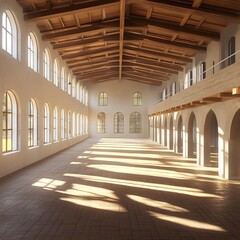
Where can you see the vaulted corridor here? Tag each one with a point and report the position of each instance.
(118, 189)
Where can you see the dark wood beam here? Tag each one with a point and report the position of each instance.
(150, 67)
(214, 13)
(89, 53)
(85, 6)
(166, 43)
(149, 82)
(173, 28)
(138, 76)
(148, 75)
(197, 3)
(153, 63)
(104, 26)
(95, 74)
(83, 42)
(93, 63)
(101, 77)
(93, 69)
(157, 54)
(122, 20)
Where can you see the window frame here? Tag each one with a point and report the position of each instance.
(10, 126)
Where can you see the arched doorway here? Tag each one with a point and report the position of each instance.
(211, 140)
(171, 134)
(180, 135)
(234, 148)
(192, 136)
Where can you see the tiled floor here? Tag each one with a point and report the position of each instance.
(118, 189)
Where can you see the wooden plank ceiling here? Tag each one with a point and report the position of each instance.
(139, 40)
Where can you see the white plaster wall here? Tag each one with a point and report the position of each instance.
(26, 84)
(120, 99)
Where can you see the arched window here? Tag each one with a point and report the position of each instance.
(9, 33)
(56, 72)
(231, 50)
(202, 71)
(118, 123)
(190, 78)
(63, 131)
(73, 87)
(174, 88)
(46, 64)
(69, 85)
(137, 99)
(69, 125)
(63, 78)
(86, 101)
(78, 124)
(32, 123)
(86, 125)
(81, 94)
(77, 90)
(46, 126)
(73, 125)
(32, 52)
(101, 122)
(9, 132)
(103, 99)
(55, 124)
(81, 124)
(135, 123)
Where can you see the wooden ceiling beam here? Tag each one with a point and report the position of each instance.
(86, 6)
(136, 75)
(122, 23)
(89, 53)
(103, 26)
(149, 75)
(166, 43)
(156, 54)
(95, 74)
(149, 82)
(93, 69)
(174, 28)
(102, 77)
(93, 62)
(150, 67)
(154, 63)
(214, 13)
(197, 3)
(76, 43)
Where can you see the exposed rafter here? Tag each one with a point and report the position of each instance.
(157, 54)
(122, 23)
(173, 28)
(84, 7)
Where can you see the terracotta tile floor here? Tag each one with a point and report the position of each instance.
(118, 189)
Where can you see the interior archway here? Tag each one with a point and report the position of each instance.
(192, 136)
(171, 134)
(211, 140)
(234, 149)
(180, 135)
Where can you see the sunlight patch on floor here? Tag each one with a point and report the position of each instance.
(187, 222)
